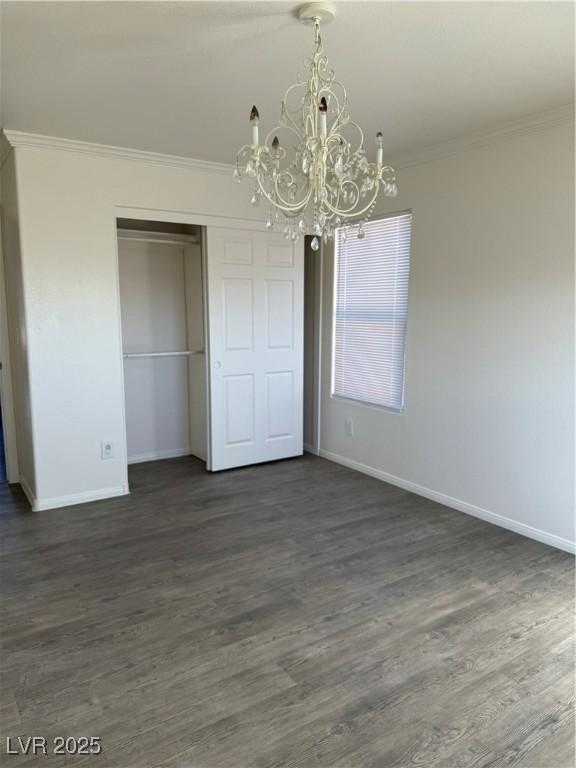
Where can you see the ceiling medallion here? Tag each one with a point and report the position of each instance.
(312, 167)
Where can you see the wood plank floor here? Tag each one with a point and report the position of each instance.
(290, 614)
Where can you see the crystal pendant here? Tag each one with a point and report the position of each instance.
(250, 169)
(361, 234)
(286, 231)
(236, 175)
(294, 236)
(315, 244)
(270, 221)
(302, 226)
(366, 187)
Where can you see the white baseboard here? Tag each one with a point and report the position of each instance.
(461, 506)
(39, 505)
(156, 455)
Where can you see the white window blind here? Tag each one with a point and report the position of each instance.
(370, 307)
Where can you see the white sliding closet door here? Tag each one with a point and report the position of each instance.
(255, 328)
(155, 335)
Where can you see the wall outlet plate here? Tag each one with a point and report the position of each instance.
(349, 427)
(106, 450)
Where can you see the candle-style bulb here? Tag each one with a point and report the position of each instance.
(379, 150)
(275, 143)
(323, 106)
(254, 120)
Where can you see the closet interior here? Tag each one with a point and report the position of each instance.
(163, 339)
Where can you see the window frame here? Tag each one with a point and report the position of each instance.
(351, 400)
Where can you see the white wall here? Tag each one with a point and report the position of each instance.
(68, 206)
(489, 416)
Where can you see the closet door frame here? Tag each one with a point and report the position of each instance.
(177, 217)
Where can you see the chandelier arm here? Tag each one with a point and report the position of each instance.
(244, 149)
(352, 211)
(339, 147)
(275, 195)
(275, 183)
(356, 214)
(360, 146)
(285, 111)
(337, 122)
(277, 129)
(286, 121)
(286, 209)
(340, 120)
(348, 211)
(280, 202)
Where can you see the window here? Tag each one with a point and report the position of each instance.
(370, 307)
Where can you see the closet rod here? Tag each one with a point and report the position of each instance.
(162, 240)
(182, 353)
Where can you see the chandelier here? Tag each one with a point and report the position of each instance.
(312, 168)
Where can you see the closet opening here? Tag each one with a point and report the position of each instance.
(162, 302)
(221, 329)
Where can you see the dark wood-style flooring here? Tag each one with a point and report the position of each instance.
(290, 614)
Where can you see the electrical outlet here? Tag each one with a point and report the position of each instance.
(106, 451)
(349, 427)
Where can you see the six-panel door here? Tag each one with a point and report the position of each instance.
(255, 331)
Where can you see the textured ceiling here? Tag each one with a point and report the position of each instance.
(181, 77)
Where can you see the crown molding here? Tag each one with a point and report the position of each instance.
(526, 125)
(471, 141)
(19, 139)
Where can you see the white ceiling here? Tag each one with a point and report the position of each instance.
(181, 77)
